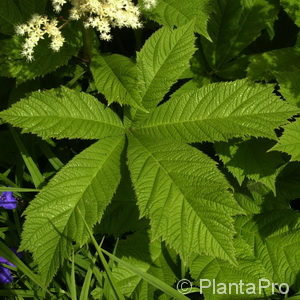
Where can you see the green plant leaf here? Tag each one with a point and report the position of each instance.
(218, 112)
(292, 7)
(87, 182)
(189, 86)
(263, 198)
(289, 86)
(185, 196)
(233, 26)
(264, 246)
(9, 16)
(15, 12)
(287, 183)
(249, 270)
(164, 269)
(37, 177)
(289, 142)
(274, 237)
(163, 58)
(123, 208)
(264, 66)
(249, 205)
(116, 77)
(251, 159)
(273, 64)
(63, 113)
(178, 13)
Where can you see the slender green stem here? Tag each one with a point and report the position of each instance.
(32, 167)
(183, 270)
(73, 291)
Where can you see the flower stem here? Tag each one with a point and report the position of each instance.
(64, 24)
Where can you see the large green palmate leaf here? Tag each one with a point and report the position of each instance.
(84, 186)
(163, 58)
(178, 13)
(233, 26)
(116, 77)
(64, 113)
(289, 142)
(250, 159)
(218, 112)
(185, 197)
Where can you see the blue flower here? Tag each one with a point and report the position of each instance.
(5, 273)
(8, 201)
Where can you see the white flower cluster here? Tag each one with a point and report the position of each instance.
(99, 14)
(104, 14)
(36, 29)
